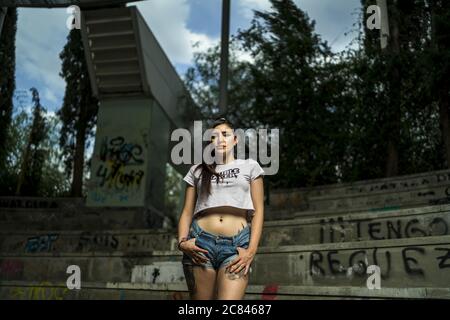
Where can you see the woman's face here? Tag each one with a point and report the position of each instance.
(223, 139)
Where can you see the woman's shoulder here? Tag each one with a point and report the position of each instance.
(195, 166)
(250, 161)
(195, 169)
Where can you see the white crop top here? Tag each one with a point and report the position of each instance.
(233, 190)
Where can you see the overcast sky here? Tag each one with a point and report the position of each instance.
(175, 23)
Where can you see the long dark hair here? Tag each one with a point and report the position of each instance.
(209, 170)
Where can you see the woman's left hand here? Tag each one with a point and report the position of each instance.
(243, 262)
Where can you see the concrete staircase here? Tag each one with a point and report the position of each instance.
(317, 244)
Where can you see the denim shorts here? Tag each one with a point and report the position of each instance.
(221, 249)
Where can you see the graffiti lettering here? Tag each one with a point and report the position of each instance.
(334, 265)
(375, 228)
(121, 152)
(117, 179)
(118, 156)
(416, 231)
(407, 260)
(42, 243)
(443, 259)
(388, 260)
(90, 241)
(40, 292)
(341, 262)
(314, 267)
(388, 229)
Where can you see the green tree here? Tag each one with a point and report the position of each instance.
(34, 155)
(438, 63)
(54, 182)
(397, 85)
(202, 81)
(360, 114)
(18, 134)
(291, 93)
(7, 83)
(78, 112)
(173, 194)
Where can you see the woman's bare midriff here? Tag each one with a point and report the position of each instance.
(224, 221)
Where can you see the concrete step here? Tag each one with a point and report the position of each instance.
(19, 290)
(59, 215)
(402, 191)
(362, 226)
(404, 263)
(92, 219)
(382, 185)
(51, 204)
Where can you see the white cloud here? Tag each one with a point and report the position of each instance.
(50, 115)
(50, 96)
(168, 21)
(333, 18)
(41, 35)
(244, 56)
(246, 7)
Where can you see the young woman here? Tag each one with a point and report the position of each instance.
(222, 219)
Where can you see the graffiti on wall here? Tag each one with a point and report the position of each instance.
(41, 243)
(338, 230)
(158, 272)
(94, 241)
(119, 172)
(120, 164)
(89, 241)
(355, 262)
(43, 291)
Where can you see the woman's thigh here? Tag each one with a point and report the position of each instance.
(201, 282)
(231, 286)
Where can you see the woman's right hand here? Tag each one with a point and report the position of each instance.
(192, 250)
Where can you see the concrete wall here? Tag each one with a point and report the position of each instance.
(121, 154)
(401, 224)
(415, 190)
(404, 263)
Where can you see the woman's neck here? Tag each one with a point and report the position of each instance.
(226, 159)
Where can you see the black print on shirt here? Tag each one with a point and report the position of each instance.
(230, 173)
